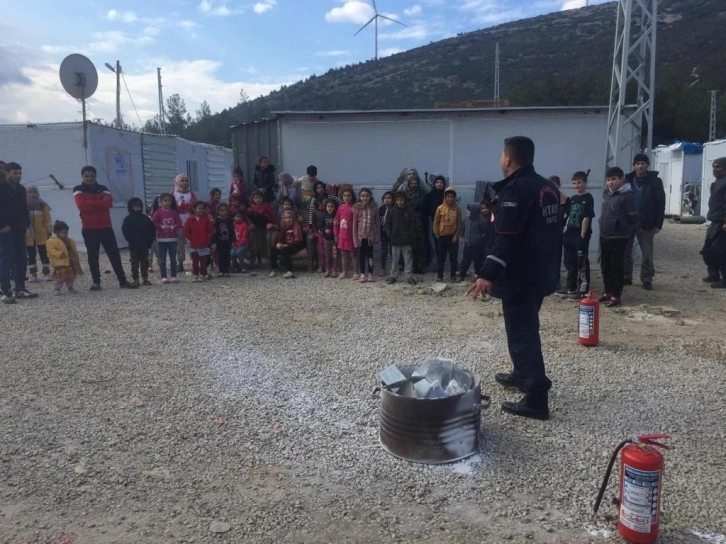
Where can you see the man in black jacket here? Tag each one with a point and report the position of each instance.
(714, 248)
(650, 202)
(14, 221)
(521, 268)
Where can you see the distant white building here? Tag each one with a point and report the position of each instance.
(131, 164)
(678, 164)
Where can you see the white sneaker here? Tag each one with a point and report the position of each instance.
(56, 292)
(272, 274)
(288, 275)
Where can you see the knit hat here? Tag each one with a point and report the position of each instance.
(641, 157)
(449, 189)
(721, 161)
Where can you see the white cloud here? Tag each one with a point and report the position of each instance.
(187, 25)
(123, 16)
(333, 53)
(43, 100)
(212, 7)
(574, 4)
(264, 6)
(351, 12)
(413, 11)
(112, 41)
(489, 12)
(416, 32)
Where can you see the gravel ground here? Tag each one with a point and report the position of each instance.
(240, 410)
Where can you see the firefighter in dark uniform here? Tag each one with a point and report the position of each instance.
(521, 268)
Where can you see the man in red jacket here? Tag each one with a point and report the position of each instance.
(94, 202)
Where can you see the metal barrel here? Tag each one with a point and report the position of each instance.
(431, 431)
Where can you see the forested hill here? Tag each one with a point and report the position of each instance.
(560, 59)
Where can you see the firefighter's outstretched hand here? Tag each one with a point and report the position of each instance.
(479, 288)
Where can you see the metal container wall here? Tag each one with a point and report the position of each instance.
(431, 431)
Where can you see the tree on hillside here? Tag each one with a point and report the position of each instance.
(243, 96)
(177, 118)
(152, 125)
(203, 112)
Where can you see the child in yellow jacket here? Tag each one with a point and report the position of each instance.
(40, 229)
(64, 258)
(447, 228)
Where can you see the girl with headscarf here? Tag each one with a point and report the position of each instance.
(39, 230)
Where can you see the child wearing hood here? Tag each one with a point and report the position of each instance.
(618, 220)
(288, 189)
(140, 233)
(264, 179)
(316, 209)
(447, 228)
(432, 201)
(365, 232)
(238, 188)
(64, 258)
(39, 230)
(185, 199)
(401, 225)
(215, 197)
(476, 236)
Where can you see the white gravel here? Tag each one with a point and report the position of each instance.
(240, 410)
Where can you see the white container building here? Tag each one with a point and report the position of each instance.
(131, 164)
(677, 165)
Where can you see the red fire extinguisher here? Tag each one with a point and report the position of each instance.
(641, 482)
(589, 329)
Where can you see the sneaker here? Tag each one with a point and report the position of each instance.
(174, 279)
(576, 295)
(341, 276)
(718, 285)
(288, 275)
(146, 282)
(391, 281)
(370, 278)
(128, 285)
(24, 293)
(272, 274)
(135, 283)
(566, 292)
(362, 279)
(412, 281)
(7, 299)
(56, 292)
(34, 279)
(72, 291)
(164, 280)
(356, 277)
(208, 277)
(196, 277)
(710, 279)
(95, 287)
(244, 271)
(440, 279)
(648, 286)
(47, 277)
(614, 301)
(605, 298)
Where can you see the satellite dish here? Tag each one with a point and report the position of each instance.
(78, 76)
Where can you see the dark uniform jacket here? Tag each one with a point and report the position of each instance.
(523, 255)
(137, 228)
(14, 207)
(649, 199)
(401, 225)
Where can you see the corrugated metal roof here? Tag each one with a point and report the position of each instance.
(432, 112)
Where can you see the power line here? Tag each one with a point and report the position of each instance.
(141, 124)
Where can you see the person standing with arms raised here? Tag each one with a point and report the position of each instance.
(521, 268)
(94, 201)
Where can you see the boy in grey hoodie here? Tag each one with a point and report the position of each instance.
(618, 220)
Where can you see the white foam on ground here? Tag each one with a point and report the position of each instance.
(708, 536)
(600, 532)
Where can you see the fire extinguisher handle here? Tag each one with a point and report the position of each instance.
(650, 439)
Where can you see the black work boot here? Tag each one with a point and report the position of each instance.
(529, 406)
(509, 380)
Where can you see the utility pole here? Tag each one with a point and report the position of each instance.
(712, 122)
(496, 76)
(161, 102)
(633, 77)
(117, 71)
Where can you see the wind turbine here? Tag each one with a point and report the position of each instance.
(374, 20)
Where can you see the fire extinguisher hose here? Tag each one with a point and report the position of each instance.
(607, 475)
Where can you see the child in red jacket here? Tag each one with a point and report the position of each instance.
(199, 230)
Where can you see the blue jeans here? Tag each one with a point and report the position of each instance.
(238, 256)
(170, 248)
(13, 260)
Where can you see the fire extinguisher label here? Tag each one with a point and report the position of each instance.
(587, 321)
(639, 507)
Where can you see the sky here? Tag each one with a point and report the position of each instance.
(208, 50)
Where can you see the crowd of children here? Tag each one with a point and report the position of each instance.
(339, 228)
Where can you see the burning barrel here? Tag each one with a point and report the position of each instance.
(430, 412)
